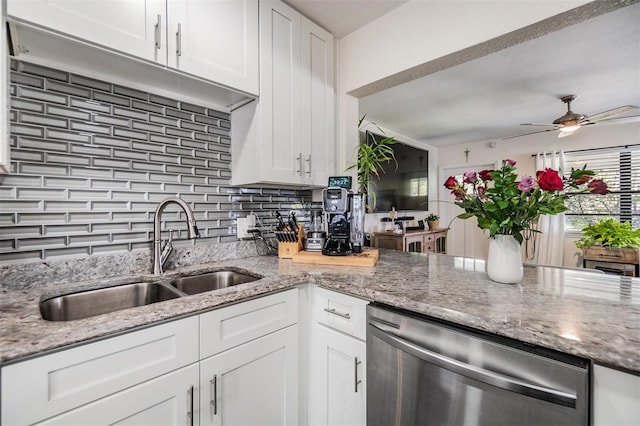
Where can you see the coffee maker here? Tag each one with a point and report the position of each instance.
(345, 218)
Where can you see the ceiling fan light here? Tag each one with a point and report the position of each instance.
(564, 132)
(570, 128)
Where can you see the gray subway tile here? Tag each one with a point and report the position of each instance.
(108, 184)
(109, 205)
(180, 170)
(178, 114)
(68, 112)
(23, 104)
(19, 129)
(163, 158)
(128, 196)
(53, 86)
(130, 175)
(42, 120)
(90, 172)
(67, 136)
(90, 150)
(173, 150)
(192, 179)
(19, 206)
(112, 99)
(218, 148)
(45, 242)
(88, 217)
(217, 131)
(115, 121)
(130, 134)
(163, 139)
(90, 128)
(22, 155)
(177, 188)
(42, 71)
(149, 167)
(205, 137)
(185, 106)
(21, 180)
(130, 93)
(163, 177)
(41, 95)
(91, 105)
(146, 127)
(193, 126)
(190, 161)
(115, 226)
(89, 239)
(65, 252)
(224, 124)
(65, 206)
(88, 195)
(150, 147)
(90, 83)
(8, 219)
(112, 142)
(59, 182)
(205, 120)
(130, 216)
(163, 101)
(158, 109)
(27, 80)
(73, 160)
(65, 229)
(218, 114)
(7, 192)
(125, 112)
(29, 255)
(41, 193)
(179, 132)
(190, 143)
(109, 248)
(109, 163)
(129, 236)
(164, 120)
(42, 169)
(130, 155)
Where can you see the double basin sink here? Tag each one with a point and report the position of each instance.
(84, 304)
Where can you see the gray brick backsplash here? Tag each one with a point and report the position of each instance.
(92, 159)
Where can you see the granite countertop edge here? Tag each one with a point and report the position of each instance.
(24, 334)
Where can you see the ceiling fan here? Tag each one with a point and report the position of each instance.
(570, 121)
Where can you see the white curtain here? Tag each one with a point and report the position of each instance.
(547, 247)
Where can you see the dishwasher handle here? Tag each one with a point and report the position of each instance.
(501, 381)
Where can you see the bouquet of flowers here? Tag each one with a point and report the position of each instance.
(505, 205)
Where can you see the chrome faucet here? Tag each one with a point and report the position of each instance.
(160, 254)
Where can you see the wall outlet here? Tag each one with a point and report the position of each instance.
(243, 224)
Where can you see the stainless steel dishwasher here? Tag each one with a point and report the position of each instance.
(426, 372)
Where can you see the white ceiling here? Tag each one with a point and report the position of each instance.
(488, 98)
(341, 17)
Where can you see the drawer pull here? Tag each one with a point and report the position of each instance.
(340, 314)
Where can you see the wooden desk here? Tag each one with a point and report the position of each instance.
(416, 241)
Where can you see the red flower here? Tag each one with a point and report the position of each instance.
(549, 180)
(451, 182)
(481, 190)
(582, 180)
(597, 186)
(485, 175)
(459, 194)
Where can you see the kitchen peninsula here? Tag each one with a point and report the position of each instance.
(587, 314)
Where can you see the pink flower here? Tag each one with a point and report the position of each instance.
(526, 183)
(509, 162)
(481, 190)
(470, 177)
(459, 194)
(597, 186)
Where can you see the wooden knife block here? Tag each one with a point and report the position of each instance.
(287, 250)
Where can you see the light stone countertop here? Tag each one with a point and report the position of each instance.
(591, 315)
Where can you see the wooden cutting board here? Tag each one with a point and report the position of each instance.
(369, 257)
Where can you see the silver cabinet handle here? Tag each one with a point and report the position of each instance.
(308, 160)
(355, 368)
(214, 394)
(190, 401)
(512, 384)
(158, 32)
(179, 40)
(340, 314)
(299, 159)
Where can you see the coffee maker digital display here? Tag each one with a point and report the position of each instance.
(345, 218)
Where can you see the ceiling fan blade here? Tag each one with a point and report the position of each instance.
(538, 124)
(619, 120)
(610, 113)
(525, 134)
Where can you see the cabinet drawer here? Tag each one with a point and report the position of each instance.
(228, 327)
(340, 312)
(43, 387)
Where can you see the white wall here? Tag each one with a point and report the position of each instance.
(521, 149)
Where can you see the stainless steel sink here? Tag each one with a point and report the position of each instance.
(212, 281)
(104, 300)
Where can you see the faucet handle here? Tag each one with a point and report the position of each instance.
(168, 247)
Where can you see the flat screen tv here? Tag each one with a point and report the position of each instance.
(404, 187)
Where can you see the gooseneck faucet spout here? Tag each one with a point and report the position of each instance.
(160, 254)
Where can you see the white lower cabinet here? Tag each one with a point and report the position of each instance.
(338, 379)
(252, 384)
(616, 397)
(337, 360)
(166, 400)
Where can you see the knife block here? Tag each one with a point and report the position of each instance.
(287, 250)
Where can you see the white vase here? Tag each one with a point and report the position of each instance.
(504, 262)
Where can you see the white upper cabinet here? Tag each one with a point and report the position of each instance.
(215, 40)
(288, 136)
(5, 147)
(133, 27)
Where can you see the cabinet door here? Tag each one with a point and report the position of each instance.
(337, 382)
(216, 40)
(133, 27)
(252, 384)
(616, 397)
(166, 400)
(318, 104)
(5, 146)
(281, 148)
(48, 385)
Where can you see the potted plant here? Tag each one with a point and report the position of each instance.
(371, 158)
(610, 240)
(433, 220)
